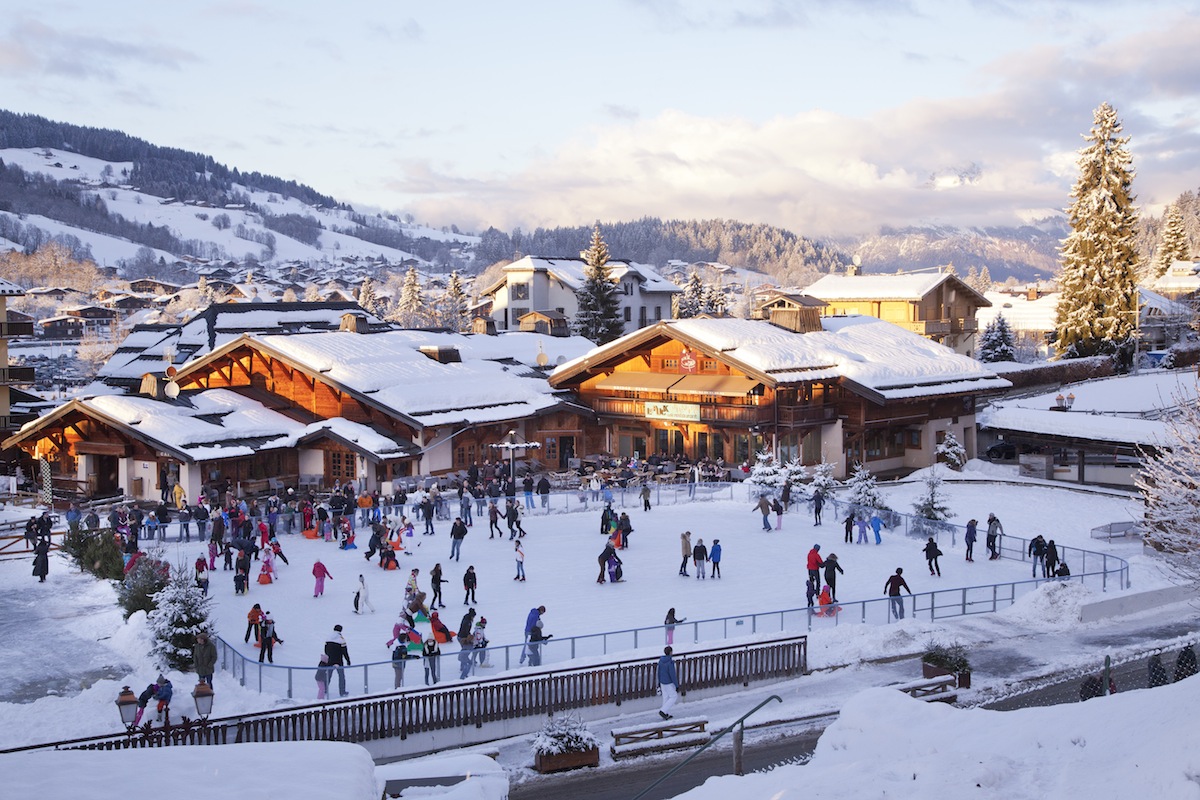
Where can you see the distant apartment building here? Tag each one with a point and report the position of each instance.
(11, 375)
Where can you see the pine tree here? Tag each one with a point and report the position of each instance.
(145, 578)
(930, 508)
(1098, 306)
(599, 308)
(452, 308)
(690, 302)
(289, 295)
(952, 452)
(983, 282)
(997, 342)
(1173, 244)
(765, 473)
(1168, 481)
(312, 294)
(823, 480)
(864, 494)
(367, 297)
(713, 301)
(409, 310)
(794, 474)
(181, 611)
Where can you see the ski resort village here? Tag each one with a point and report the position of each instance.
(535, 472)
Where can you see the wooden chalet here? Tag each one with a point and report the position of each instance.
(842, 389)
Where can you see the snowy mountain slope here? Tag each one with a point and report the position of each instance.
(190, 221)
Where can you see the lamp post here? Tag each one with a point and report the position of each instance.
(203, 697)
(511, 444)
(127, 707)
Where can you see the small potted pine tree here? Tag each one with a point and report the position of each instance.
(947, 659)
(565, 743)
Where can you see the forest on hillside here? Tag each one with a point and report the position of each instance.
(788, 258)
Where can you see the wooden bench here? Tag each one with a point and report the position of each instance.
(932, 690)
(639, 740)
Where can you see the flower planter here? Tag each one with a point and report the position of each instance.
(573, 759)
(963, 678)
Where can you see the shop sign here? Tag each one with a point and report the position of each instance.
(687, 412)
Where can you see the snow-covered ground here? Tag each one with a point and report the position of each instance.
(66, 641)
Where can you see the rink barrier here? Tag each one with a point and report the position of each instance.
(421, 710)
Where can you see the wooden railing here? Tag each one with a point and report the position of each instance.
(405, 713)
(16, 375)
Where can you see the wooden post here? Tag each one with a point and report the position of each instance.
(738, 768)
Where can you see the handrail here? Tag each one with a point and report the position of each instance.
(707, 745)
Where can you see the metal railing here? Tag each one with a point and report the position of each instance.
(401, 714)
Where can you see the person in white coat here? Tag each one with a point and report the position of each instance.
(362, 597)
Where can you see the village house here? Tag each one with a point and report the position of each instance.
(308, 408)
(10, 329)
(938, 306)
(551, 284)
(843, 389)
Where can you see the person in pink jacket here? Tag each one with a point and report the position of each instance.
(320, 573)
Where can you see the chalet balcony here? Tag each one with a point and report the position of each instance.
(11, 422)
(8, 330)
(725, 414)
(10, 375)
(942, 327)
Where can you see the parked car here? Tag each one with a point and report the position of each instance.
(1001, 451)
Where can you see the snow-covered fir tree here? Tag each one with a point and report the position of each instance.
(997, 342)
(289, 295)
(599, 317)
(410, 309)
(862, 491)
(794, 474)
(1098, 304)
(181, 611)
(951, 452)
(713, 301)
(145, 578)
(452, 305)
(1168, 481)
(979, 280)
(312, 294)
(1173, 244)
(766, 473)
(931, 508)
(688, 303)
(367, 298)
(823, 480)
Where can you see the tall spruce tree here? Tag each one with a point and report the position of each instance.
(1098, 307)
(452, 306)
(409, 310)
(1173, 244)
(1168, 480)
(599, 317)
(690, 302)
(997, 342)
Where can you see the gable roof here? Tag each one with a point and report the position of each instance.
(887, 287)
(874, 358)
(571, 272)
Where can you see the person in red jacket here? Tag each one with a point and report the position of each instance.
(815, 563)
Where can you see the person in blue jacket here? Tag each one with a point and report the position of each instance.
(714, 557)
(668, 682)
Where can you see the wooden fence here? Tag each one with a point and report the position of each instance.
(404, 713)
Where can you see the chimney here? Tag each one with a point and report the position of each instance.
(354, 323)
(797, 320)
(1032, 292)
(441, 353)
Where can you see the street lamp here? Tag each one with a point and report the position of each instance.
(511, 444)
(127, 706)
(203, 695)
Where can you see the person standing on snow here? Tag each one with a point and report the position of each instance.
(320, 573)
(1037, 549)
(763, 506)
(818, 501)
(668, 682)
(700, 559)
(969, 539)
(362, 598)
(931, 557)
(892, 588)
(685, 545)
(815, 563)
(994, 531)
(714, 558)
(339, 655)
(832, 568)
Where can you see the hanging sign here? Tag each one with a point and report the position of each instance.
(687, 362)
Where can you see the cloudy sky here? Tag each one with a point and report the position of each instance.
(823, 116)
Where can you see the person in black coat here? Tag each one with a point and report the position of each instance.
(609, 552)
(1185, 663)
(1157, 672)
(41, 559)
(339, 654)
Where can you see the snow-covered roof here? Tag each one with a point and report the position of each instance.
(1128, 409)
(571, 272)
(1180, 278)
(877, 287)
(876, 355)
(10, 289)
(1021, 313)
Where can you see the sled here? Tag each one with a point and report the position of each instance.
(310, 533)
(264, 578)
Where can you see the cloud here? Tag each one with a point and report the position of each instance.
(982, 159)
(33, 47)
